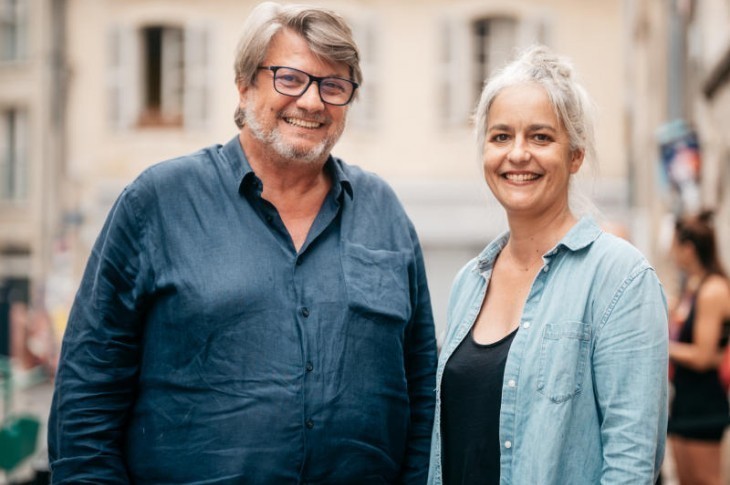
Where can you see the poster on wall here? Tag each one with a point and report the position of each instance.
(680, 166)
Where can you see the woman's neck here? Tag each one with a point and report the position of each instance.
(531, 238)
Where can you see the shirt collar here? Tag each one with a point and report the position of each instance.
(580, 236)
(243, 171)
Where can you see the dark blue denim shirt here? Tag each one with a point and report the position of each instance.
(203, 348)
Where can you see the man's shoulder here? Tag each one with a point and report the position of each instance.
(174, 169)
(363, 180)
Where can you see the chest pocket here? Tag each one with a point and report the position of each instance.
(377, 282)
(563, 357)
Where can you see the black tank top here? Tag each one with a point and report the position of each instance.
(700, 408)
(471, 398)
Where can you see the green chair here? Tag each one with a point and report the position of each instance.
(18, 432)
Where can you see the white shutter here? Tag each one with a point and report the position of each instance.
(363, 111)
(197, 90)
(534, 29)
(21, 155)
(13, 154)
(456, 97)
(502, 42)
(171, 74)
(123, 80)
(5, 155)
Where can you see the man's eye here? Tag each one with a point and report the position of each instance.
(289, 78)
(333, 86)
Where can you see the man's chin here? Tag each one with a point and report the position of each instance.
(303, 154)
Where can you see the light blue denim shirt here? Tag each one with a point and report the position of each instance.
(584, 395)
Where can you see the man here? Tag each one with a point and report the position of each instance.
(255, 312)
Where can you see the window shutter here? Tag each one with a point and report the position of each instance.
(5, 153)
(197, 90)
(13, 154)
(364, 109)
(123, 80)
(171, 92)
(534, 29)
(456, 100)
(21, 155)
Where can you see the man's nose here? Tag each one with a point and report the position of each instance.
(310, 99)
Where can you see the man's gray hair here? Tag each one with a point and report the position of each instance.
(572, 105)
(326, 33)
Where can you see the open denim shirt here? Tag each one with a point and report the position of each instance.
(584, 395)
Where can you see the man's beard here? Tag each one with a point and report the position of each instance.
(291, 151)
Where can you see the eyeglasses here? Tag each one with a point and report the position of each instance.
(288, 81)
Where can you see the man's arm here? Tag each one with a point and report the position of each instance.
(630, 372)
(99, 362)
(420, 364)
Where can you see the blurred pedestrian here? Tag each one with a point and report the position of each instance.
(699, 322)
(553, 369)
(255, 312)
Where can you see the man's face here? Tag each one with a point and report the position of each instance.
(298, 129)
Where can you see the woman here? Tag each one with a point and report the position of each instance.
(553, 368)
(699, 411)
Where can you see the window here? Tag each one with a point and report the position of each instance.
(158, 76)
(494, 40)
(12, 30)
(471, 50)
(162, 70)
(13, 155)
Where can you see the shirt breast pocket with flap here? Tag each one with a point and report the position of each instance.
(563, 355)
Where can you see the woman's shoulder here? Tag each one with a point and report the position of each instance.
(616, 252)
(715, 287)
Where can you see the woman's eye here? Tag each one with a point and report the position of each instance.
(542, 137)
(500, 137)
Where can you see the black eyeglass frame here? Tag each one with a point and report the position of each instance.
(312, 79)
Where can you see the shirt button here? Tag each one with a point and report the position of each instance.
(511, 383)
(309, 424)
(309, 367)
(508, 444)
(305, 312)
(526, 324)
(299, 261)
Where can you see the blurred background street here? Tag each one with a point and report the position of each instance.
(94, 91)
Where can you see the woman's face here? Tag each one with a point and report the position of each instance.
(527, 156)
(682, 253)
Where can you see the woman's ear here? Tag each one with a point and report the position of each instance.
(576, 159)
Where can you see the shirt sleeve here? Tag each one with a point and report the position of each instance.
(99, 363)
(630, 373)
(421, 374)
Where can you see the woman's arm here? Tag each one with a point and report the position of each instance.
(710, 311)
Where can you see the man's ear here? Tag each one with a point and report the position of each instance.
(242, 93)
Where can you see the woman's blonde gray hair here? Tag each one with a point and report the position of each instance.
(538, 64)
(326, 33)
